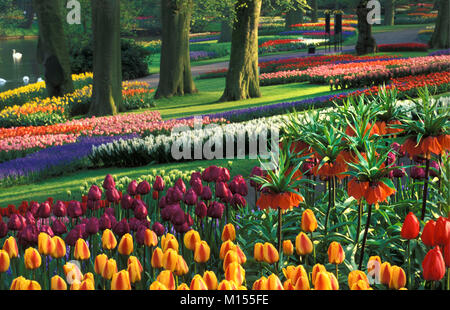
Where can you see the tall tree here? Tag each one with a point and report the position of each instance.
(366, 43)
(107, 66)
(314, 11)
(441, 34)
(389, 12)
(52, 49)
(242, 81)
(294, 16)
(175, 66)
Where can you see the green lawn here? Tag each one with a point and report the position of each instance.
(58, 187)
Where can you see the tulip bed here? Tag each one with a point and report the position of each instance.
(359, 201)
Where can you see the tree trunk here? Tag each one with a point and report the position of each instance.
(225, 31)
(314, 11)
(293, 17)
(441, 34)
(242, 80)
(107, 63)
(29, 15)
(175, 67)
(366, 43)
(389, 13)
(52, 50)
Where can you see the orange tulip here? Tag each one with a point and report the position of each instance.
(99, 264)
(126, 245)
(334, 281)
(16, 283)
(88, 277)
(309, 222)
(157, 286)
(46, 245)
(168, 241)
(109, 269)
(81, 250)
(260, 284)
(157, 258)
(181, 268)
(72, 273)
(59, 250)
(32, 259)
(316, 269)
(336, 254)
(294, 272)
(360, 285)
(109, 241)
(288, 248)
(241, 255)
(227, 285)
(202, 252)
(191, 238)
(166, 278)
(228, 233)
(302, 284)
(356, 275)
(134, 272)
(10, 246)
(121, 281)
(150, 238)
(58, 284)
(86, 285)
(230, 257)
(197, 284)
(303, 244)
(322, 281)
(270, 254)
(225, 247)
(4, 261)
(183, 287)
(170, 259)
(135, 260)
(235, 273)
(385, 273)
(398, 278)
(274, 283)
(29, 285)
(210, 279)
(258, 252)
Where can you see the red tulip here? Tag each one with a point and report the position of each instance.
(411, 227)
(442, 231)
(433, 265)
(428, 233)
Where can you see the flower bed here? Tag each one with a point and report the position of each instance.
(403, 47)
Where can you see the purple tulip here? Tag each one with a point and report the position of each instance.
(174, 195)
(46, 229)
(92, 226)
(398, 149)
(59, 209)
(95, 193)
(109, 183)
(110, 211)
(206, 193)
(105, 222)
(182, 228)
(168, 211)
(196, 175)
(134, 223)
(74, 209)
(434, 169)
(215, 210)
(180, 185)
(221, 190)
(143, 188)
(210, 174)
(178, 217)
(140, 235)
(256, 171)
(190, 198)
(238, 201)
(73, 235)
(417, 173)
(224, 175)
(196, 185)
(30, 219)
(158, 228)
(28, 236)
(16, 222)
(121, 228)
(3, 229)
(58, 227)
(140, 210)
(132, 188)
(44, 210)
(239, 186)
(201, 210)
(93, 205)
(34, 207)
(126, 202)
(112, 195)
(158, 185)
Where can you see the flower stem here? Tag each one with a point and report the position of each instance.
(329, 206)
(279, 232)
(314, 248)
(409, 264)
(366, 231)
(358, 227)
(425, 188)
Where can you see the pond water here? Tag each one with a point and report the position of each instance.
(13, 72)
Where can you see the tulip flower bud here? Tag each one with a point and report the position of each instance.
(360, 285)
(433, 265)
(309, 222)
(226, 285)
(288, 248)
(59, 251)
(442, 231)
(92, 226)
(44, 210)
(303, 245)
(356, 275)
(385, 273)
(158, 185)
(32, 259)
(294, 272)
(336, 254)
(126, 245)
(121, 281)
(228, 233)
(201, 252)
(191, 238)
(411, 227)
(87, 285)
(10, 246)
(198, 284)
(157, 286)
(181, 268)
(95, 193)
(428, 233)
(211, 280)
(29, 285)
(260, 284)
(157, 258)
(81, 250)
(316, 269)
(206, 194)
(109, 269)
(74, 209)
(398, 278)
(258, 252)
(225, 247)
(134, 272)
(143, 188)
(229, 258)
(288, 286)
(274, 283)
(170, 259)
(58, 284)
(109, 182)
(302, 284)
(235, 273)
(270, 254)
(15, 284)
(109, 241)
(183, 287)
(100, 262)
(169, 241)
(166, 278)
(322, 281)
(4, 261)
(46, 245)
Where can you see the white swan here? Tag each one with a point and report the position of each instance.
(2, 82)
(26, 79)
(40, 79)
(17, 56)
